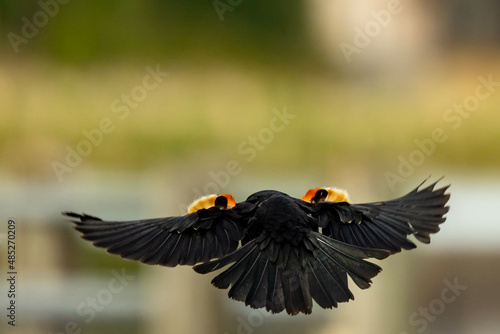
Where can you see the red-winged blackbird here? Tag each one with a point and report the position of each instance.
(283, 251)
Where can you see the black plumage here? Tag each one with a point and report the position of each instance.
(277, 251)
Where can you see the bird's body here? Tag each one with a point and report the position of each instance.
(278, 215)
(282, 252)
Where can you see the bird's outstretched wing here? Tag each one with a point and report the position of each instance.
(385, 225)
(184, 240)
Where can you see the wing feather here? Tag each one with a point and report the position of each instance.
(386, 225)
(184, 240)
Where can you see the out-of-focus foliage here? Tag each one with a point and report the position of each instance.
(95, 30)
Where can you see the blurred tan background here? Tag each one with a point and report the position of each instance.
(129, 110)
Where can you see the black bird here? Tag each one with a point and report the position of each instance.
(283, 252)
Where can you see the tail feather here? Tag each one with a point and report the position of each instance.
(256, 297)
(275, 301)
(297, 294)
(241, 288)
(326, 288)
(237, 256)
(317, 272)
(349, 259)
(330, 278)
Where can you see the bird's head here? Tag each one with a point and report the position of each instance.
(224, 201)
(326, 194)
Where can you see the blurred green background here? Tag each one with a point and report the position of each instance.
(127, 109)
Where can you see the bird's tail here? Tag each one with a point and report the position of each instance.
(280, 276)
